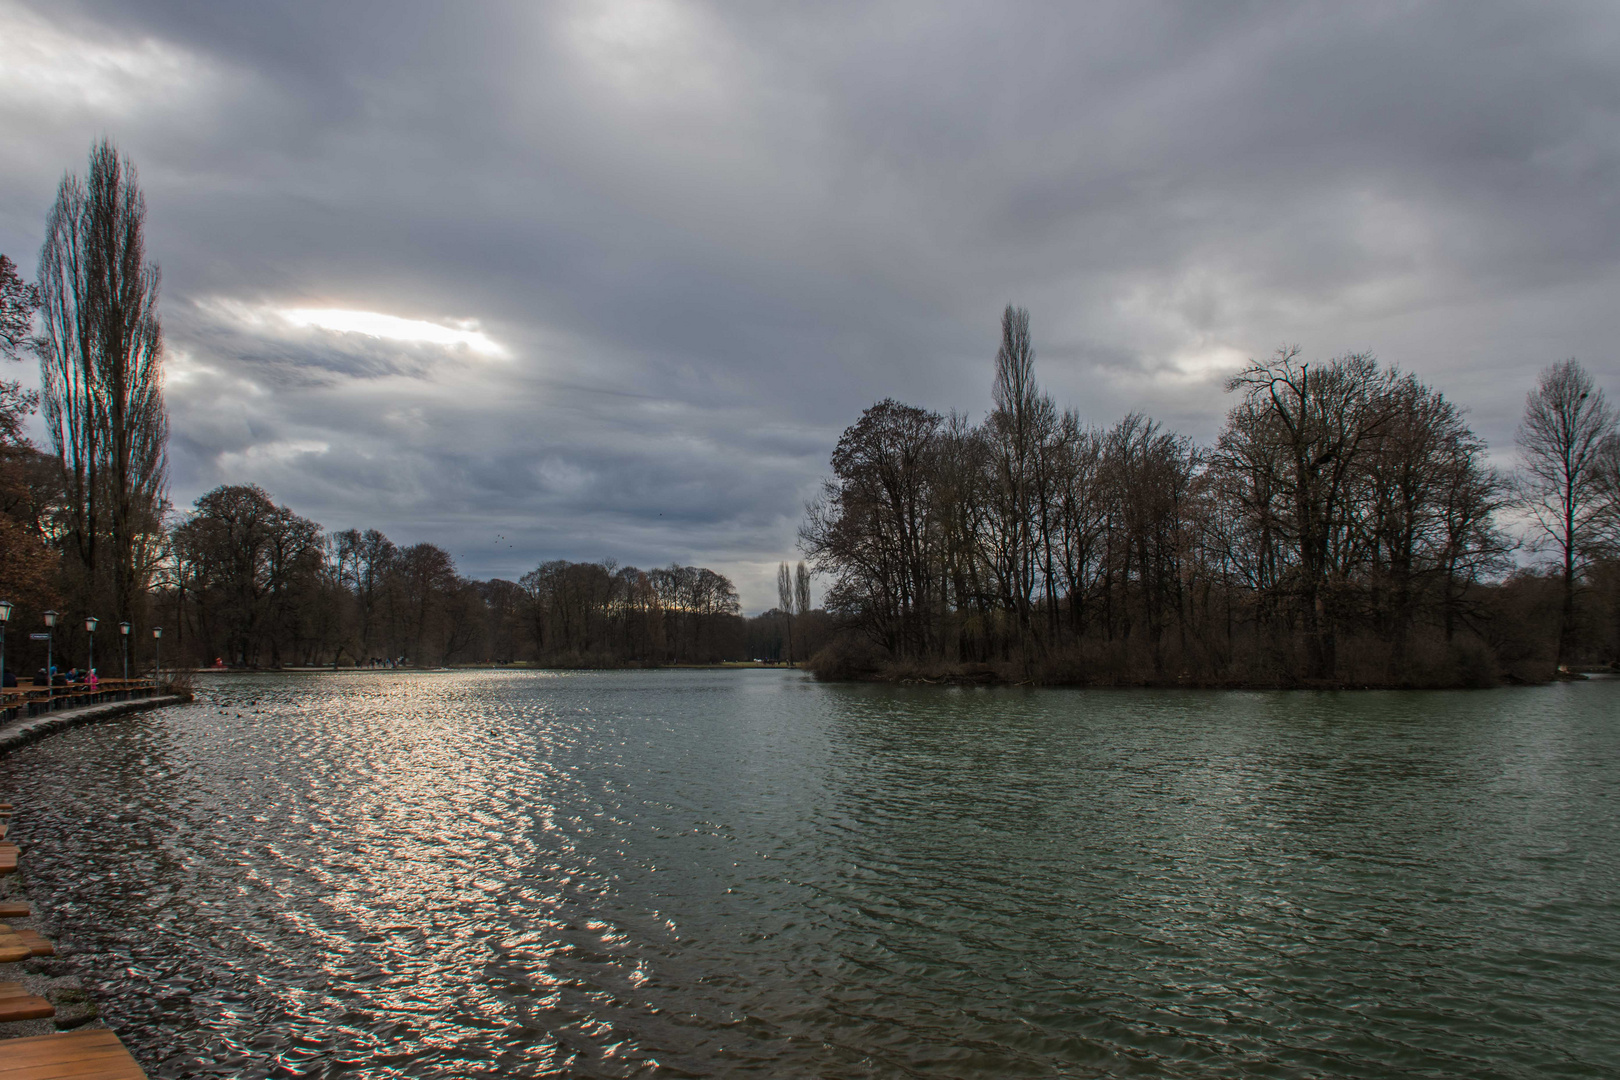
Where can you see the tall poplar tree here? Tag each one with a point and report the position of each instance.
(101, 359)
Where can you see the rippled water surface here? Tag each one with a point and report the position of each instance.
(744, 872)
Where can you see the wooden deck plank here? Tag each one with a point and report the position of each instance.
(38, 944)
(14, 948)
(16, 1003)
(95, 1054)
(13, 910)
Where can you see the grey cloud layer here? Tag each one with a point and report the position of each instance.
(709, 235)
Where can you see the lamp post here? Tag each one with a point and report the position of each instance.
(50, 642)
(123, 633)
(90, 628)
(157, 643)
(5, 617)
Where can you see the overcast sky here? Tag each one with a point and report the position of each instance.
(607, 279)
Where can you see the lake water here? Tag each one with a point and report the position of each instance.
(747, 873)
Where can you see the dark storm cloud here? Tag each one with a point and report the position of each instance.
(702, 238)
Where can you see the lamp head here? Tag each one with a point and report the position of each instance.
(157, 631)
(50, 618)
(123, 628)
(90, 624)
(5, 611)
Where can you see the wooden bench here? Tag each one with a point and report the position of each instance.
(16, 1003)
(13, 910)
(95, 1054)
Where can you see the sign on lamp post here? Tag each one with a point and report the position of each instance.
(50, 644)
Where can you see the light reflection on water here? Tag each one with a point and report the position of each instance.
(722, 873)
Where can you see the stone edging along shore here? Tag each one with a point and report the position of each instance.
(27, 729)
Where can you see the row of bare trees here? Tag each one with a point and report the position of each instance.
(1343, 502)
(601, 613)
(250, 583)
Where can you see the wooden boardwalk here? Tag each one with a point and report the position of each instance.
(95, 1054)
(90, 1054)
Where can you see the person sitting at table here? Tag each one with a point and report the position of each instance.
(8, 678)
(90, 680)
(42, 677)
(57, 677)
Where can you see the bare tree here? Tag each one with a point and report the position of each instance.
(1609, 490)
(874, 526)
(364, 564)
(1023, 420)
(784, 602)
(101, 357)
(28, 564)
(1561, 451)
(1315, 429)
(18, 302)
(801, 589)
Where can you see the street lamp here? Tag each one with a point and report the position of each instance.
(123, 631)
(90, 628)
(157, 643)
(5, 617)
(50, 640)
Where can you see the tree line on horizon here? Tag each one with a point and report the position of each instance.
(1344, 528)
(254, 584)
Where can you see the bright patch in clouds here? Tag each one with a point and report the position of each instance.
(375, 324)
(44, 66)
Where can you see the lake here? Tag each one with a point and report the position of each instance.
(721, 873)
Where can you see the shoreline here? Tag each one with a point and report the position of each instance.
(998, 680)
(725, 665)
(959, 676)
(24, 730)
(53, 976)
